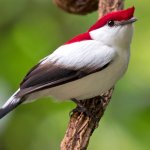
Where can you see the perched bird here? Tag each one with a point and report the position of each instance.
(84, 67)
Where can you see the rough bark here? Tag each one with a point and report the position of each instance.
(106, 6)
(81, 7)
(81, 126)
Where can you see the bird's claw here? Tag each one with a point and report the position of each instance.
(80, 108)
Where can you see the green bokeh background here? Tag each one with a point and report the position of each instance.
(30, 30)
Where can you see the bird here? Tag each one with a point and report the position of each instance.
(84, 67)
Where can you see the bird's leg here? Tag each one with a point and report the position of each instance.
(77, 102)
(102, 98)
(80, 108)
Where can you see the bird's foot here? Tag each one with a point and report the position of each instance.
(80, 108)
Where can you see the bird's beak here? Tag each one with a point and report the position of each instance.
(133, 19)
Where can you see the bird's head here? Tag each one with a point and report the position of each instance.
(115, 28)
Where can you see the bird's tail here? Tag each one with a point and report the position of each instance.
(11, 103)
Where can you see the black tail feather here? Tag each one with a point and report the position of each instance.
(12, 104)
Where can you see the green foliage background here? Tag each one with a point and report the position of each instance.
(30, 30)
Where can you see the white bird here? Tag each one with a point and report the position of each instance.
(84, 67)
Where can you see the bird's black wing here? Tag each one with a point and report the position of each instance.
(49, 75)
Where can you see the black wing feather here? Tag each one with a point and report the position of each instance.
(51, 75)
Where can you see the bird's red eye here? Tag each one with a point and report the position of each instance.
(111, 23)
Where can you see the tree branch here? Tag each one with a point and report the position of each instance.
(106, 6)
(81, 126)
(81, 7)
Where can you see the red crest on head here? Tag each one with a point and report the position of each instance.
(116, 16)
